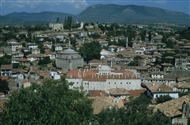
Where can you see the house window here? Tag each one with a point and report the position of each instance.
(109, 82)
(121, 82)
(115, 82)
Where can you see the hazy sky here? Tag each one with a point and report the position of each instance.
(76, 6)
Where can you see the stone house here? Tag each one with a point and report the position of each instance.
(156, 90)
(143, 60)
(167, 67)
(56, 26)
(24, 62)
(157, 75)
(15, 46)
(58, 47)
(176, 109)
(32, 45)
(14, 60)
(35, 51)
(103, 43)
(17, 55)
(34, 57)
(11, 41)
(111, 48)
(59, 36)
(120, 93)
(6, 70)
(181, 61)
(104, 79)
(34, 74)
(157, 39)
(139, 50)
(94, 63)
(154, 68)
(48, 44)
(2, 53)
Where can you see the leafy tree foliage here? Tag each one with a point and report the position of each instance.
(149, 36)
(90, 51)
(44, 61)
(166, 60)
(73, 42)
(68, 23)
(134, 113)
(143, 35)
(4, 86)
(163, 98)
(15, 65)
(183, 94)
(52, 103)
(76, 25)
(95, 36)
(185, 34)
(134, 62)
(6, 59)
(102, 28)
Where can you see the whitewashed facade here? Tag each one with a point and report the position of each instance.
(104, 79)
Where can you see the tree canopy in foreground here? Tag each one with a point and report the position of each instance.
(53, 103)
(135, 112)
(47, 104)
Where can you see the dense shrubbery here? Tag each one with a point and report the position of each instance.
(163, 98)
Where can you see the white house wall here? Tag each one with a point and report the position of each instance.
(173, 95)
(128, 84)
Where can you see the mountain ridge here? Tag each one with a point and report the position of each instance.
(109, 13)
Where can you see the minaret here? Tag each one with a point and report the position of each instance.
(127, 42)
(69, 44)
(70, 61)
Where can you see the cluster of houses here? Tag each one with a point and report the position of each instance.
(104, 79)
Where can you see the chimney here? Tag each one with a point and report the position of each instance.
(174, 89)
(159, 89)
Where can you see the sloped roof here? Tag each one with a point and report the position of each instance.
(100, 103)
(4, 67)
(99, 93)
(173, 107)
(157, 87)
(118, 91)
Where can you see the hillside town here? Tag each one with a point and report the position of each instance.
(111, 63)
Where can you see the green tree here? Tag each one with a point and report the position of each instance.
(4, 86)
(90, 51)
(68, 23)
(143, 35)
(183, 93)
(134, 62)
(47, 104)
(149, 36)
(44, 61)
(6, 59)
(163, 98)
(95, 36)
(136, 112)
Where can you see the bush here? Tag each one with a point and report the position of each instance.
(163, 98)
